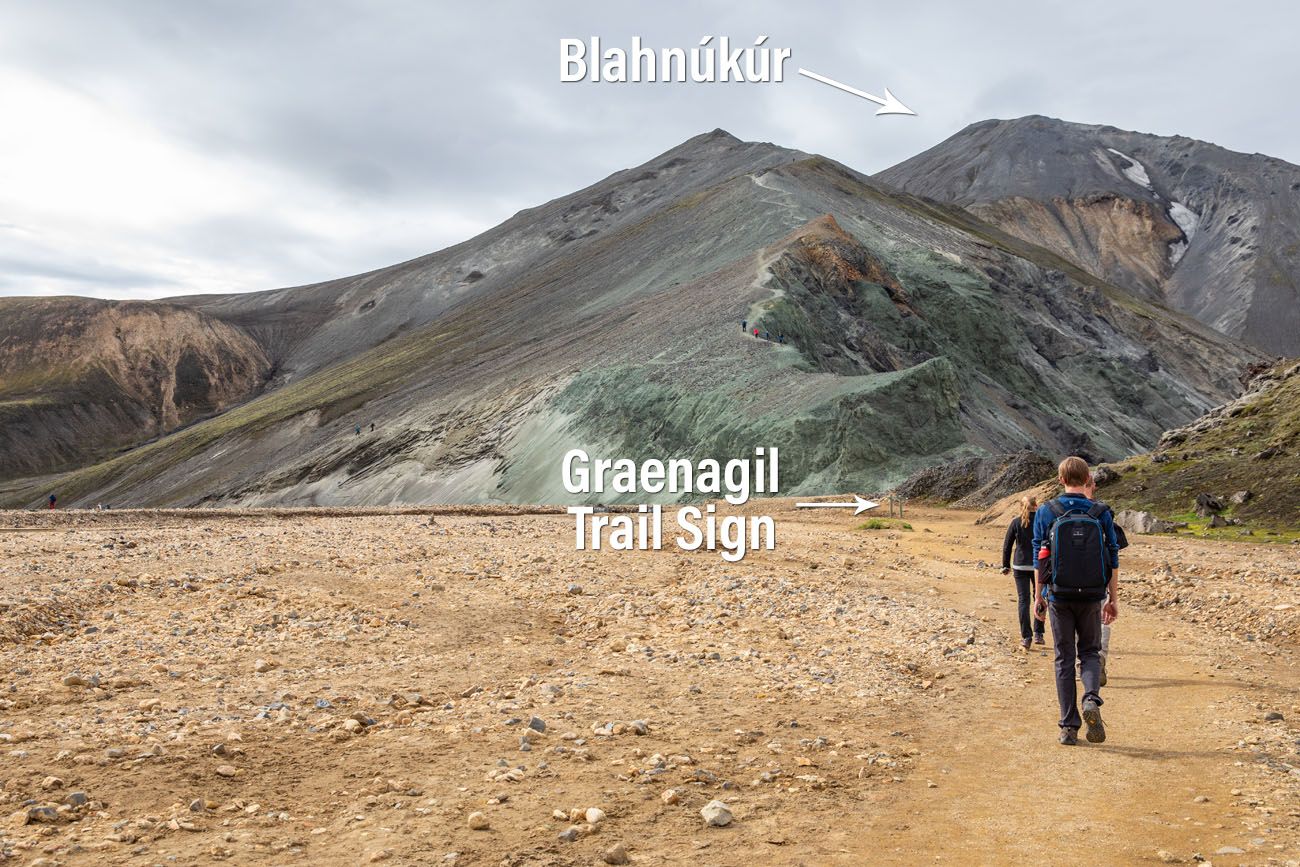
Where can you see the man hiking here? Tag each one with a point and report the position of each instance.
(1090, 490)
(1077, 586)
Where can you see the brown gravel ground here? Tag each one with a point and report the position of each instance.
(855, 696)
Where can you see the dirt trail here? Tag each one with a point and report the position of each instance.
(1005, 791)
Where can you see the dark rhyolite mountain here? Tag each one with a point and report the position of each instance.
(1209, 231)
(915, 334)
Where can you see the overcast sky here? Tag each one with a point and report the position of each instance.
(163, 148)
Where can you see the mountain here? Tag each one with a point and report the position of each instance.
(914, 333)
(81, 378)
(1208, 231)
(308, 328)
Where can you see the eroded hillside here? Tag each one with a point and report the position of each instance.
(81, 378)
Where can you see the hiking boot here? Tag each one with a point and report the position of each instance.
(1069, 737)
(1024, 643)
(1038, 639)
(1092, 716)
(1102, 682)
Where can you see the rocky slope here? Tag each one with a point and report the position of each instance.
(80, 378)
(1250, 445)
(914, 333)
(1211, 232)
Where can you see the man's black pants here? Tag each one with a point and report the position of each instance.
(1076, 625)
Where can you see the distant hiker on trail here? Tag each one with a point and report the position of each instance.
(372, 427)
(1078, 566)
(744, 325)
(755, 332)
(358, 430)
(53, 501)
(1121, 541)
(782, 338)
(1020, 538)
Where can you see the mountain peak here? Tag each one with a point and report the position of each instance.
(1206, 230)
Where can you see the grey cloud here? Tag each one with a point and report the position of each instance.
(408, 111)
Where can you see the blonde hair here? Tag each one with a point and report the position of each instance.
(1027, 506)
(1073, 472)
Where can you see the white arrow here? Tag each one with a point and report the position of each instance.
(859, 505)
(888, 105)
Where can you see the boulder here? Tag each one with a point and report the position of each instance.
(1142, 523)
(1240, 497)
(1208, 504)
(1104, 475)
(1218, 521)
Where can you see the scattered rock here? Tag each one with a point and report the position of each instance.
(1207, 505)
(261, 666)
(226, 770)
(1240, 498)
(616, 854)
(42, 815)
(716, 814)
(671, 796)
(478, 821)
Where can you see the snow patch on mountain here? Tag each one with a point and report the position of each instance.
(1187, 220)
(1134, 170)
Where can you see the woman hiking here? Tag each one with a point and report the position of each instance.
(1020, 538)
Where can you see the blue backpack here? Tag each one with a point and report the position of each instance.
(1077, 543)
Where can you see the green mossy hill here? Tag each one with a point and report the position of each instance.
(834, 433)
(1251, 444)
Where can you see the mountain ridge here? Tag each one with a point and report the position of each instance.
(610, 318)
(1211, 232)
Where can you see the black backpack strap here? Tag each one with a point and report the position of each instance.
(1057, 508)
(1097, 510)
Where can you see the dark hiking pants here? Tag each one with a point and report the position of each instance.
(1029, 627)
(1076, 633)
